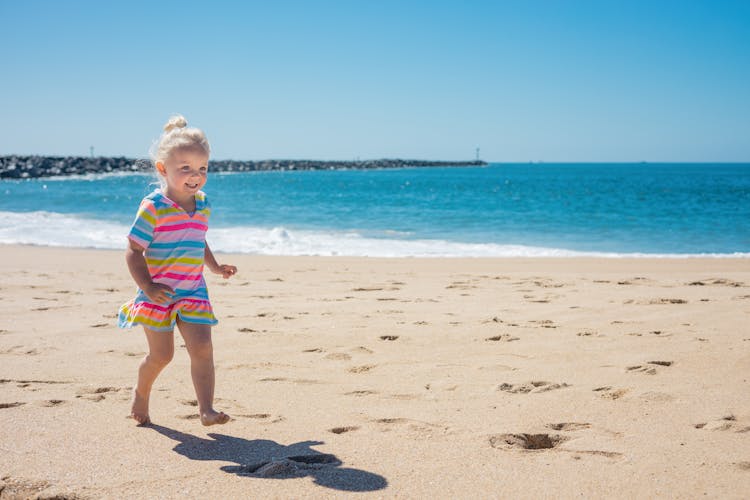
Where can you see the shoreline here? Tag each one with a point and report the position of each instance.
(737, 257)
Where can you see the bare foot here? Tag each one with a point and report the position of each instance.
(139, 409)
(212, 417)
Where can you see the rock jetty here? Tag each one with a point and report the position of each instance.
(27, 167)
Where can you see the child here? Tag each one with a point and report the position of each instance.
(166, 253)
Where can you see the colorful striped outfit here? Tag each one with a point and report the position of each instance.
(175, 243)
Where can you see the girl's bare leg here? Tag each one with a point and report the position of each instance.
(200, 348)
(160, 353)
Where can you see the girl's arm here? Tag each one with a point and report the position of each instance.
(157, 292)
(226, 270)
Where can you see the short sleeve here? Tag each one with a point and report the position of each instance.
(202, 202)
(142, 230)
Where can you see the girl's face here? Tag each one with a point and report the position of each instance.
(185, 171)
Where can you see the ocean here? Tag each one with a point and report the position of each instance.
(501, 210)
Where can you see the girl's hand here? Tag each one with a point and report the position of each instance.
(226, 270)
(159, 293)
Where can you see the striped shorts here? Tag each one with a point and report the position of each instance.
(163, 317)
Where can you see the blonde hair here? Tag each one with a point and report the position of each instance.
(178, 135)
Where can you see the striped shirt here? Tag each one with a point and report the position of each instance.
(174, 241)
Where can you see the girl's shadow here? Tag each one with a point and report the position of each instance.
(254, 456)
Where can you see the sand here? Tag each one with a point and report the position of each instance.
(387, 378)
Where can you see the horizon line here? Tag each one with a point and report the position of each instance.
(359, 160)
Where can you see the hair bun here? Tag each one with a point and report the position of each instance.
(177, 121)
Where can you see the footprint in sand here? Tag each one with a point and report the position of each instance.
(569, 426)
(726, 423)
(502, 338)
(441, 386)
(656, 333)
(28, 383)
(3, 406)
(461, 285)
(650, 370)
(360, 393)
(418, 429)
(607, 392)
(389, 337)
(588, 333)
(342, 430)
(656, 397)
(361, 350)
(660, 333)
(404, 397)
(22, 350)
(717, 281)
(641, 369)
(544, 323)
(391, 420)
(657, 301)
(494, 319)
(11, 487)
(361, 369)
(97, 394)
(50, 403)
(294, 381)
(339, 356)
(266, 417)
(531, 387)
(533, 299)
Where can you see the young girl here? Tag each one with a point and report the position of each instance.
(166, 253)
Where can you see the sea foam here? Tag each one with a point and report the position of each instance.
(63, 230)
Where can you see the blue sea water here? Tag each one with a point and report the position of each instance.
(498, 210)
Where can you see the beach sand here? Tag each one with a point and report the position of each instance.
(408, 378)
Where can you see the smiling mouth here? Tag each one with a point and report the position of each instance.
(191, 186)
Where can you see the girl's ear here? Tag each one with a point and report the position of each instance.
(161, 168)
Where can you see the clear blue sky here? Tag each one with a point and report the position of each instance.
(561, 80)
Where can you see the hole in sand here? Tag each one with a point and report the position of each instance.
(526, 441)
(322, 458)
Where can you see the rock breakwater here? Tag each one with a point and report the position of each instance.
(27, 167)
